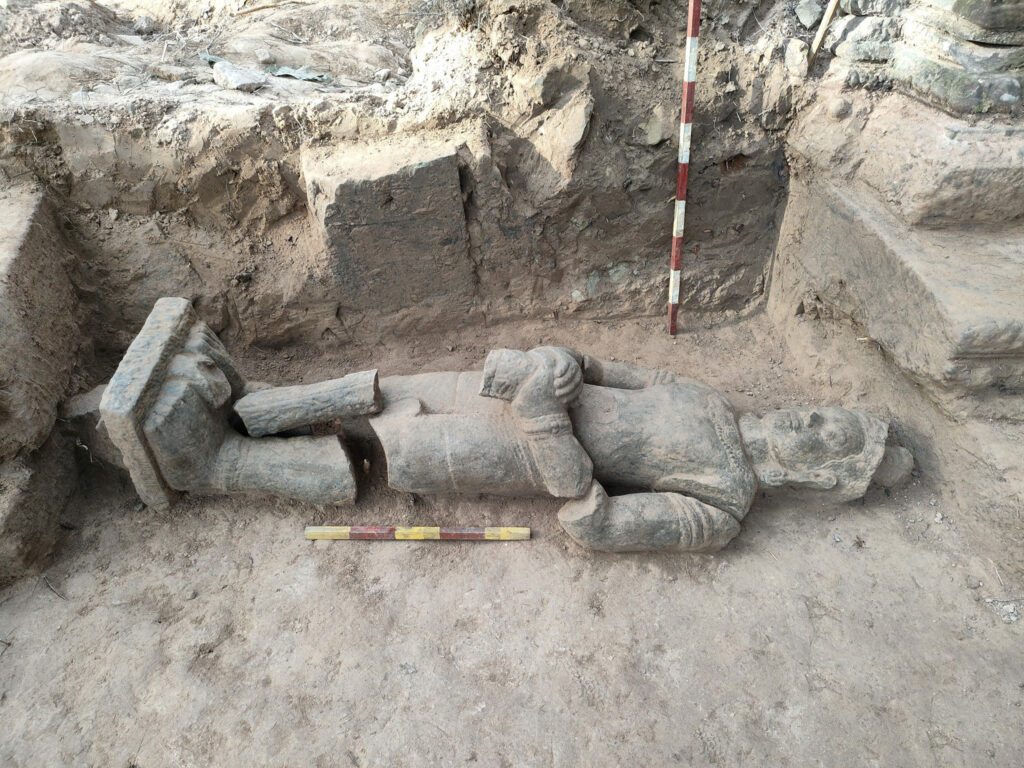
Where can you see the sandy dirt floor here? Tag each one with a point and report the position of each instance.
(874, 634)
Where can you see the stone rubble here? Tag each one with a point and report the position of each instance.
(228, 75)
(809, 12)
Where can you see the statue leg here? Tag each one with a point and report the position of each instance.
(639, 522)
(167, 411)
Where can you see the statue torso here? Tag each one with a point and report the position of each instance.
(680, 436)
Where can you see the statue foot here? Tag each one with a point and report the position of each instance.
(638, 522)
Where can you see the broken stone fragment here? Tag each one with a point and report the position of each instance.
(809, 12)
(145, 25)
(658, 127)
(80, 420)
(896, 468)
(864, 38)
(796, 57)
(547, 157)
(838, 108)
(228, 75)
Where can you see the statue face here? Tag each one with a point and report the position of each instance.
(810, 437)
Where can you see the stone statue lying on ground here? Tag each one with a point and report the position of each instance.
(548, 422)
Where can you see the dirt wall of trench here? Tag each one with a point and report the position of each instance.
(530, 166)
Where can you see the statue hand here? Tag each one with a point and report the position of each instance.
(567, 371)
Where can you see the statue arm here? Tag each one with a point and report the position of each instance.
(638, 522)
(539, 385)
(623, 375)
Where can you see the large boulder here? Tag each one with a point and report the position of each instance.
(393, 222)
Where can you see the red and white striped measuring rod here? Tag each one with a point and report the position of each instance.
(685, 125)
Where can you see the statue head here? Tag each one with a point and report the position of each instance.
(827, 449)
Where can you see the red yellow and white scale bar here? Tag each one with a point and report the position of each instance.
(415, 533)
(685, 127)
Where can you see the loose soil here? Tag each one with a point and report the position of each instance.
(876, 633)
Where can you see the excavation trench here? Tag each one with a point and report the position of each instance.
(473, 177)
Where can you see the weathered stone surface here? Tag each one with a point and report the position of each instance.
(228, 75)
(676, 435)
(393, 221)
(872, 7)
(864, 38)
(503, 431)
(540, 87)
(528, 424)
(964, 29)
(546, 158)
(809, 12)
(948, 306)
(653, 429)
(39, 336)
(957, 74)
(942, 45)
(34, 489)
(947, 173)
(953, 87)
(167, 407)
(1005, 15)
(640, 428)
(132, 391)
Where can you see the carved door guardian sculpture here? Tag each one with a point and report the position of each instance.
(548, 422)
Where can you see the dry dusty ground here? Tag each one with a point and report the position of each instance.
(215, 635)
